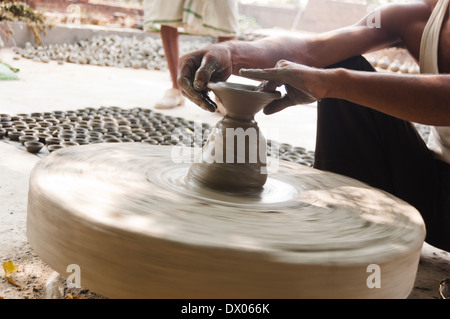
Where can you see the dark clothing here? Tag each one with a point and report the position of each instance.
(387, 153)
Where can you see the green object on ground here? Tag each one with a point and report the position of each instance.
(7, 72)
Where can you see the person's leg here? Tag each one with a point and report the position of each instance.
(223, 39)
(172, 97)
(169, 37)
(382, 151)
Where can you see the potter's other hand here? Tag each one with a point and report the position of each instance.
(301, 83)
(197, 69)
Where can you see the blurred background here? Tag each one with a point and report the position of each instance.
(314, 15)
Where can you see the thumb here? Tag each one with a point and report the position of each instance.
(277, 105)
(203, 75)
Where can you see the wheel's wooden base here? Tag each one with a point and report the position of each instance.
(125, 215)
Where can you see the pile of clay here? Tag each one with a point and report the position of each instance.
(60, 129)
(109, 50)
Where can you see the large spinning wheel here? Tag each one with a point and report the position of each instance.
(127, 216)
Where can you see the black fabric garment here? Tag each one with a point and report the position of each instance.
(387, 153)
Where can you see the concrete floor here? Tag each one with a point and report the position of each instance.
(50, 87)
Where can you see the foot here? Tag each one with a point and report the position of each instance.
(172, 98)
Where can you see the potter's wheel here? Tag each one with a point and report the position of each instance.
(125, 214)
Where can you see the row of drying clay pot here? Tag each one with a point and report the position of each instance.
(116, 125)
(395, 66)
(61, 129)
(112, 50)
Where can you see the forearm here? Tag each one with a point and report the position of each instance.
(265, 53)
(423, 99)
(315, 50)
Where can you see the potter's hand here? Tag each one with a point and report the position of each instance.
(198, 68)
(301, 83)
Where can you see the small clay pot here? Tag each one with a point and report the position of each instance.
(30, 132)
(85, 126)
(69, 143)
(150, 141)
(123, 123)
(74, 119)
(53, 121)
(54, 147)
(124, 128)
(9, 129)
(100, 130)
(82, 136)
(158, 139)
(81, 141)
(18, 123)
(33, 125)
(135, 137)
(53, 140)
(35, 115)
(33, 147)
(2, 132)
(42, 137)
(14, 135)
(53, 130)
(27, 138)
(28, 120)
(7, 124)
(65, 126)
(81, 130)
(137, 130)
(95, 134)
(112, 140)
(21, 127)
(59, 114)
(109, 125)
(41, 130)
(149, 129)
(170, 127)
(66, 136)
(95, 140)
(152, 134)
(45, 124)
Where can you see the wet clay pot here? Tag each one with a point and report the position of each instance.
(234, 156)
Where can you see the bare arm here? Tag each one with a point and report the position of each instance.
(218, 62)
(418, 98)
